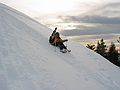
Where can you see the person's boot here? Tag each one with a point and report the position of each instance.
(63, 50)
(68, 50)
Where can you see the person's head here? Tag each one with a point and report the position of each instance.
(57, 34)
(53, 34)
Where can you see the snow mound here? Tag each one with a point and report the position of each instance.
(28, 62)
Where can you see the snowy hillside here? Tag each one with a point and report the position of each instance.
(28, 62)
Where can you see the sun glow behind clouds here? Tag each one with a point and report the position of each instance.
(51, 6)
(35, 8)
(42, 6)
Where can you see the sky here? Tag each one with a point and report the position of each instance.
(36, 8)
(86, 17)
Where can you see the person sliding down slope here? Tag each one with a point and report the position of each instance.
(56, 41)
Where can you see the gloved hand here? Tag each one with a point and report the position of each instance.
(66, 40)
(55, 29)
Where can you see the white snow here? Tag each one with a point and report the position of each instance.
(29, 62)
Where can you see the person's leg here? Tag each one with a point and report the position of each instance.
(61, 46)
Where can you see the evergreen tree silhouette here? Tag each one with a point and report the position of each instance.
(91, 46)
(101, 47)
(113, 54)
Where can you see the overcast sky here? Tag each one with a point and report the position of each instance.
(36, 8)
(92, 16)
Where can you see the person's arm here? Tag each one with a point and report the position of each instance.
(65, 40)
(54, 31)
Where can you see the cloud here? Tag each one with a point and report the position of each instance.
(105, 14)
(108, 10)
(92, 19)
(98, 19)
(99, 30)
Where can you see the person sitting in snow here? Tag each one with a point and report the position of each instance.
(55, 40)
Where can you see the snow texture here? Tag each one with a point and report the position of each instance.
(29, 62)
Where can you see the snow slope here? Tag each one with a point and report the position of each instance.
(28, 62)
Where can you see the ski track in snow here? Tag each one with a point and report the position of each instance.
(28, 62)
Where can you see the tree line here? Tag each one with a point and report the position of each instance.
(110, 53)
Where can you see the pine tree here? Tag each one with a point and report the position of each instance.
(91, 46)
(113, 54)
(118, 40)
(98, 47)
(101, 47)
(119, 49)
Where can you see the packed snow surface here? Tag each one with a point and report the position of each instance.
(29, 62)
